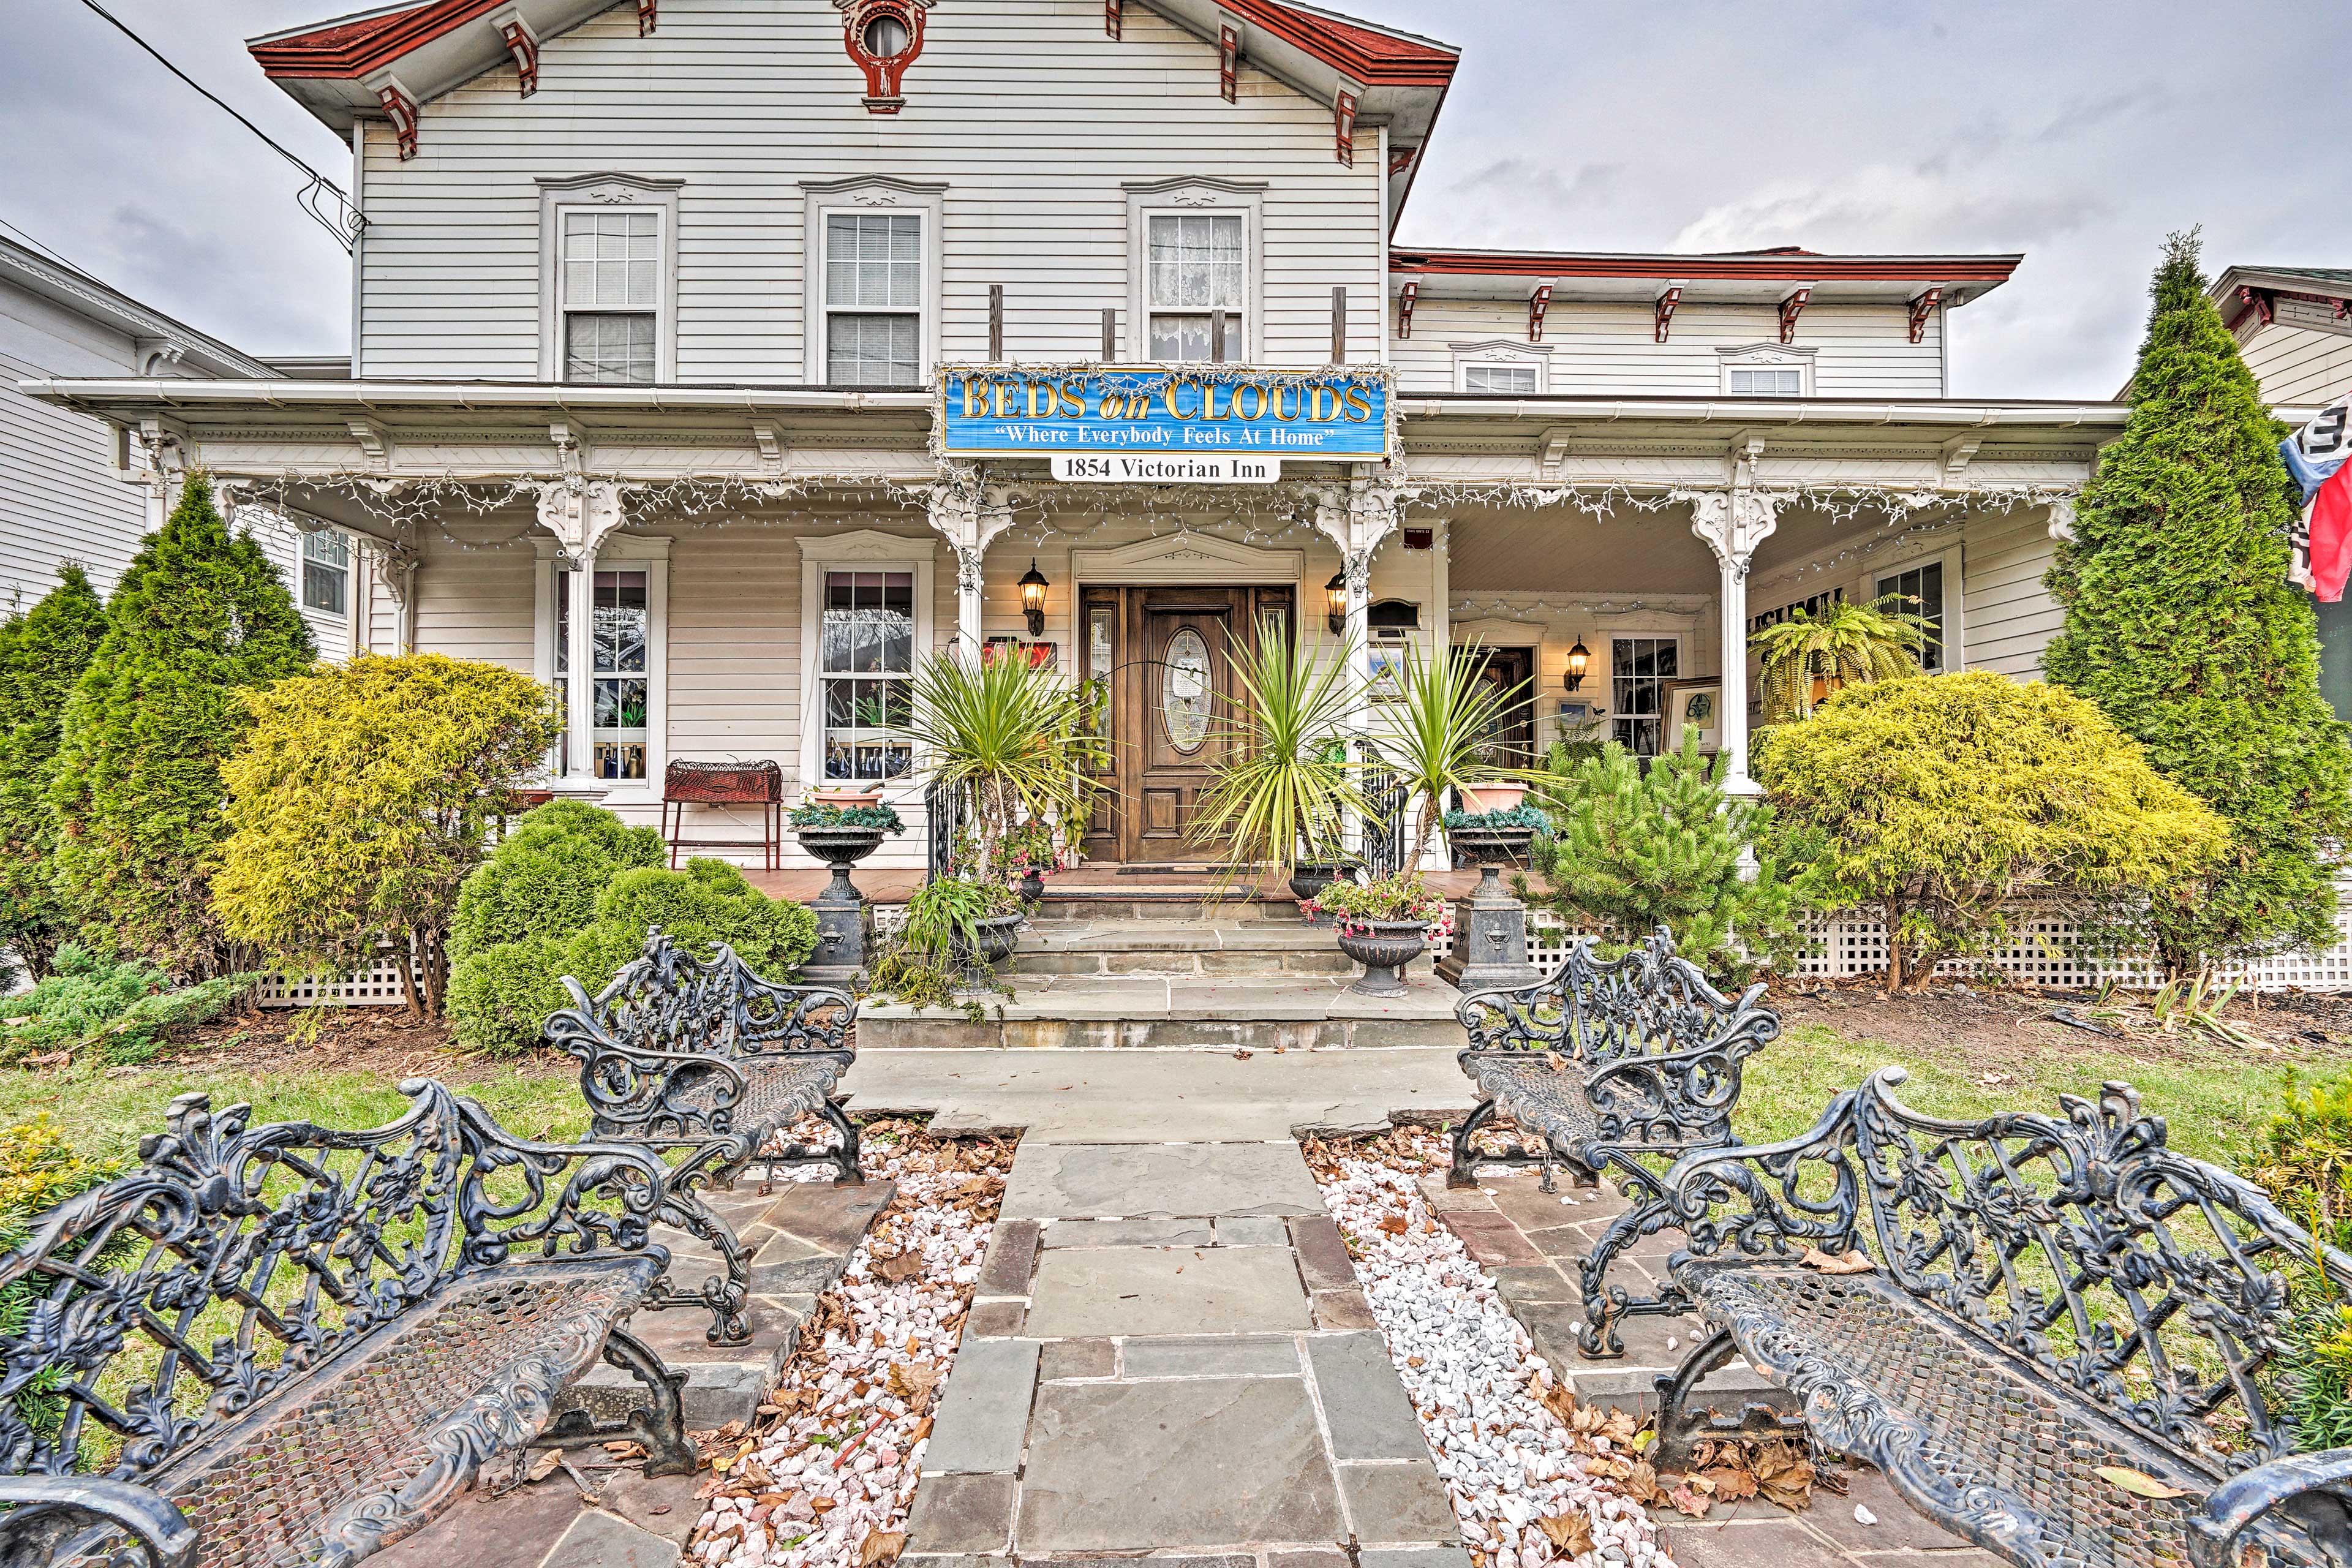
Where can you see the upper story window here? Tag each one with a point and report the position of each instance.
(1500, 378)
(873, 298)
(1197, 267)
(1768, 370)
(611, 295)
(1502, 365)
(326, 573)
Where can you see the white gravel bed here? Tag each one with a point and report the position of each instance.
(830, 1485)
(1475, 1378)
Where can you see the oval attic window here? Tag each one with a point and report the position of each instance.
(886, 38)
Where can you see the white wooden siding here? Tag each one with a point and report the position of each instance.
(59, 499)
(2297, 364)
(1031, 116)
(1598, 348)
(2010, 615)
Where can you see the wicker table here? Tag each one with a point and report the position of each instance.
(725, 783)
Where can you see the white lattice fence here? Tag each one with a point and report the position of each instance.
(384, 983)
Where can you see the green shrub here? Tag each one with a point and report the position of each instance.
(923, 963)
(38, 1171)
(543, 880)
(198, 616)
(499, 994)
(2304, 1156)
(42, 655)
(123, 1008)
(1634, 851)
(360, 798)
(1936, 802)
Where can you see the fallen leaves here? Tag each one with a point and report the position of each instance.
(905, 1265)
(881, 1546)
(1855, 1261)
(913, 1382)
(1396, 1225)
(2139, 1483)
(1571, 1532)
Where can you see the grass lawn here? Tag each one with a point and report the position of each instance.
(2215, 1099)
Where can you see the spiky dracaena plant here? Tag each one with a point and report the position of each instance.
(2181, 625)
(1000, 734)
(1287, 785)
(1845, 645)
(1434, 738)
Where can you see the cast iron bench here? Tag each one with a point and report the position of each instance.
(1606, 1060)
(682, 1053)
(290, 1343)
(2051, 1295)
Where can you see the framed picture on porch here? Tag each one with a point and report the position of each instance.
(1384, 673)
(1695, 707)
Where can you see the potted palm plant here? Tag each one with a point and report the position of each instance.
(995, 734)
(1283, 794)
(1435, 737)
(1809, 656)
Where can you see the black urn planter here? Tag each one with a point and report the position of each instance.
(1308, 880)
(1383, 948)
(993, 940)
(843, 924)
(1492, 846)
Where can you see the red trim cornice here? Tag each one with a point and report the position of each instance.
(355, 49)
(1789, 266)
(1371, 56)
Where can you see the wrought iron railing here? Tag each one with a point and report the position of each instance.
(941, 808)
(1383, 851)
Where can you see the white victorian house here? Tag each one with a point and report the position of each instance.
(658, 306)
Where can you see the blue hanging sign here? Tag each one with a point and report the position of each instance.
(1206, 411)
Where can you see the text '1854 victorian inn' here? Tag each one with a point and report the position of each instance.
(721, 419)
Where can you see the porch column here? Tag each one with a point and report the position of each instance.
(1357, 519)
(580, 514)
(969, 513)
(1733, 524)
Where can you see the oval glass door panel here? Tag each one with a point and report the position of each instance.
(1184, 691)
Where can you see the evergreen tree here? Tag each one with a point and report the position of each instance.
(42, 653)
(198, 616)
(2183, 626)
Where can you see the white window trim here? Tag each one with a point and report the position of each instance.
(1194, 196)
(926, 199)
(1502, 350)
(595, 193)
(1955, 641)
(643, 552)
(865, 550)
(1765, 356)
(1613, 635)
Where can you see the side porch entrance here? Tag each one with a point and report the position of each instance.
(1167, 654)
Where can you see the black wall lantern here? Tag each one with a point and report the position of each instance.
(1337, 591)
(1579, 657)
(1032, 599)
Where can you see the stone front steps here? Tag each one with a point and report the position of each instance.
(1294, 1012)
(1166, 947)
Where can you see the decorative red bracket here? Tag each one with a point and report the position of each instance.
(401, 109)
(646, 16)
(1406, 298)
(1229, 62)
(1343, 126)
(525, 49)
(1401, 159)
(2261, 300)
(1114, 19)
(1791, 308)
(862, 23)
(1665, 310)
(2343, 307)
(1538, 305)
(1922, 307)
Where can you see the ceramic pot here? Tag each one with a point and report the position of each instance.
(1492, 796)
(870, 795)
(1308, 878)
(1383, 948)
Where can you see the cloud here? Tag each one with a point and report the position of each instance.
(1879, 209)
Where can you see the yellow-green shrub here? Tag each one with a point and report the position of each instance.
(359, 799)
(1940, 799)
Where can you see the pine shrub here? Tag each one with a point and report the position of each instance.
(1935, 802)
(2181, 625)
(544, 878)
(198, 616)
(43, 653)
(1633, 851)
(122, 1008)
(360, 800)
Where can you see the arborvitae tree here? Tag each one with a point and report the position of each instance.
(42, 653)
(2183, 626)
(198, 616)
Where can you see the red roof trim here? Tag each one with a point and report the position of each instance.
(1373, 57)
(1792, 265)
(349, 50)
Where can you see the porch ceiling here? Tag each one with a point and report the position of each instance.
(1563, 550)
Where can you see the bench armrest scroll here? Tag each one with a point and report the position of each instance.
(50, 1511)
(2309, 1487)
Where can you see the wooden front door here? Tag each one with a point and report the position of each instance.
(1167, 656)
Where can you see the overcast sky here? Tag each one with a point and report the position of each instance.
(2076, 132)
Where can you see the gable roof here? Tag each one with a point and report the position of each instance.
(70, 289)
(2251, 297)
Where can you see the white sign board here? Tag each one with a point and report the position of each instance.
(1178, 469)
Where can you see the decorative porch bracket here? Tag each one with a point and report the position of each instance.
(582, 513)
(1733, 524)
(1357, 517)
(2062, 517)
(397, 564)
(969, 513)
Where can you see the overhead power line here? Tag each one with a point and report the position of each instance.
(322, 198)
